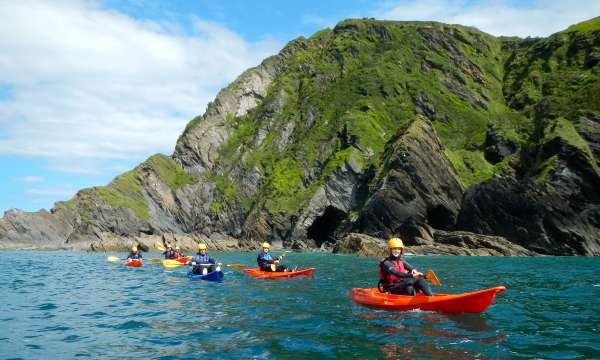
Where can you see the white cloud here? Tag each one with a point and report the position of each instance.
(91, 86)
(59, 191)
(31, 179)
(538, 18)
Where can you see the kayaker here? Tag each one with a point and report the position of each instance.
(177, 253)
(397, 276)
(202, 263)
(134, 253)
(268, 263)
(169, 253)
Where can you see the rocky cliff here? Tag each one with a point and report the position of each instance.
(445, 135)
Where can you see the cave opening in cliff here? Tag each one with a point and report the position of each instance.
(323, 227)
(440, 217)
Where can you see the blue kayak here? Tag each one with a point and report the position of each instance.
(211, 276)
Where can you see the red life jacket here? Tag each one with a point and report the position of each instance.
(386, 279)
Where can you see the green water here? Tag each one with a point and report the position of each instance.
(77, 305)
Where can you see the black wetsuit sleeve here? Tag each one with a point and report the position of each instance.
(408, 266)
(387, 265)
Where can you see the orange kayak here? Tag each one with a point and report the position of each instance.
(182, 260)
(256, 272)
(134, 263)
(473, 302)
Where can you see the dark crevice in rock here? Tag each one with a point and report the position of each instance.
(323, 227)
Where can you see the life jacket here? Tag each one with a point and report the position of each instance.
(134, 255)
(264, 260)
(386, 279)
(203, 259)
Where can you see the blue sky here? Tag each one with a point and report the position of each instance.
(89, 89)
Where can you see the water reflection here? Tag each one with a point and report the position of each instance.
(433, 335)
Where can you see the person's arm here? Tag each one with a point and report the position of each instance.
(387, 265)
(412, 270)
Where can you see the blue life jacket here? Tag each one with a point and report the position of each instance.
(136, 255)
(203, 259)
(264, 259)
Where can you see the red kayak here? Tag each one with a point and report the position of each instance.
(473, 302)
(133, 263)
(256, 272)
(182, 260)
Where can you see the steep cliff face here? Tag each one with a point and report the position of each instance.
(377, 127)
(551, 202)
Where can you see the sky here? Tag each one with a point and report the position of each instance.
(90, 89)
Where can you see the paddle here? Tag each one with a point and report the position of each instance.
(430, 275)
(274, 266)
(237, 266)
(115, 259)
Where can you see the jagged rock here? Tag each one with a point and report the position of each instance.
(197, 148)
(477, 244)
(497, 147)
(361, 245)
(563, 219)
(446, 243)
(419, 188)
(329, 206)
(557, 214)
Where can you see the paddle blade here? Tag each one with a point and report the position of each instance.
(159, 247)
(273, 267)
(237, 266)
(112, 259)
(430, 275)
(155, 260)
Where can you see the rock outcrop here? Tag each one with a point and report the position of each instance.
(446, 243)
(417, 188)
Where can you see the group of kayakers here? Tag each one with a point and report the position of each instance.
(396, 276)
(171, 254)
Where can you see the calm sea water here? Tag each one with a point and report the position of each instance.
(64, 305)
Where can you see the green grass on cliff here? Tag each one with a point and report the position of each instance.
(126, 191)
(352, 88)
(585, 26)
(344, 92)
(554, 81)
(171, 173)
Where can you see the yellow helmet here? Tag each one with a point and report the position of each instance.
(177, 247)
(266, 245)
(395, 243)
(134, 248)
(201, 246)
